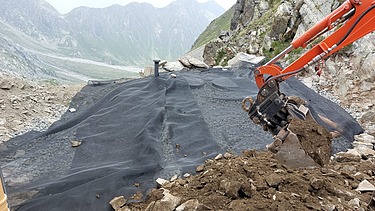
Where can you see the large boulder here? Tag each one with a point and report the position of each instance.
(173, 66)
(244, 57)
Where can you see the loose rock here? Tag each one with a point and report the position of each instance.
(365, 186)
(118, 202)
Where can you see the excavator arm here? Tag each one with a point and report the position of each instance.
(275, 111)
(349, 22)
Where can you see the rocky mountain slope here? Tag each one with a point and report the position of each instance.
(137, 33)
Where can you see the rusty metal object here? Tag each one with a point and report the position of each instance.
(245, 101)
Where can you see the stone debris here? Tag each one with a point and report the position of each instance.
(349, 156)
(371, 204)
(72, 110)
(173, 66)
(365, 186)
(174, 178)
(167, 203)
(161, 182)
(173, 75)
(192, 204)
(200, 168)
(186, 175)
(365, 138)
(183, 63)
(31, 105)
(244, 57)
(76, 143)
(118, 202)
(219, 157)
(227, 155)
(196, 63)
(6, 84)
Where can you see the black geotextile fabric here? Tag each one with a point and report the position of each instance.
(138, 131)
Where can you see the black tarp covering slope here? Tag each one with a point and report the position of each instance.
(137, 131)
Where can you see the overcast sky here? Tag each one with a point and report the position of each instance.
(65, 6)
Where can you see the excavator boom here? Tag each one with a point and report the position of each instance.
(275, 111)
(348, 23)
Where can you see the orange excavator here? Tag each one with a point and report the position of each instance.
(278, 113)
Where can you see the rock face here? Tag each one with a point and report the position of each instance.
(267, 27)
(257, 26)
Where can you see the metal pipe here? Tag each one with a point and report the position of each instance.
(156, 68)
(282, 54)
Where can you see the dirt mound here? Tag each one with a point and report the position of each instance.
(256, 181)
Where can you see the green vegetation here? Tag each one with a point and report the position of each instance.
(213, 30)
(221, 58)
(276, 48)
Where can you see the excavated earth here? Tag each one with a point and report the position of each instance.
(257, 181)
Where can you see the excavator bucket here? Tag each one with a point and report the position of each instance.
(299, 141)
(303, 144)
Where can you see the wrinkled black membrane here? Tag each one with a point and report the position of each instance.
(137, 131)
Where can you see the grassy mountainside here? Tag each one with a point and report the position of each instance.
(213, 30)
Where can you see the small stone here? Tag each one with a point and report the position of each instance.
(72, 110)
(3, 130)
(118, 202)
(161, 182)
(349, 156)
(231, 188)
(273, 180)
(173, 75)
(192, 204)
(174, 178)
(219, 157)
(330, 207)
(349, 168)
(317, 183)
(76, 143)
(354, 203)
(227, 155)
(249, 153)
(3, 121)
(357, 144)
(200, 168)
(187, 175)
(364, 138)
(168, 202)
(365, 186)
(6, 85)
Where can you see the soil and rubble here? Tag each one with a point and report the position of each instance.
(256, 181)
(27, 105)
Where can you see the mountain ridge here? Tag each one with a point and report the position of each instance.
(130, 35)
